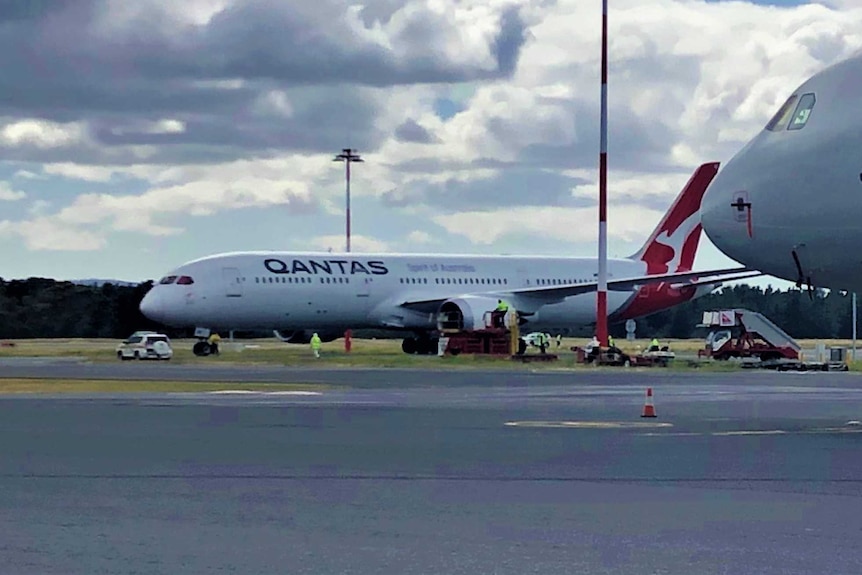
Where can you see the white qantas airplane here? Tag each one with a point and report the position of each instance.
(789, 203)
(296, 294)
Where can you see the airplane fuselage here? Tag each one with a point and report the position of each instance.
(305, 292)
(289, 290)
(795, 188)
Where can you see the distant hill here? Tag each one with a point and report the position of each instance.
(100, 282)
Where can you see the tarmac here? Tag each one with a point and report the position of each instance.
(434, 471)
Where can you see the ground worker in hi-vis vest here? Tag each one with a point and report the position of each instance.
(499, 315)
(315, 344)
(214, 340)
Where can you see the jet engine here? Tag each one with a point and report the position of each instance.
(465, 313)
(304, 335)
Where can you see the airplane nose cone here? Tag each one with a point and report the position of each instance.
(724, 216)
(151, 305)
(710, 214)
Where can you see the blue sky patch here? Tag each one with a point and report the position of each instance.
(446, 108)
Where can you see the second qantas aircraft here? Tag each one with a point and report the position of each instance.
(300, 293)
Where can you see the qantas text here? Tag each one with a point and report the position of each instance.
(338, 267)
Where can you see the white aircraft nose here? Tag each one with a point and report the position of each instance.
(151, 305)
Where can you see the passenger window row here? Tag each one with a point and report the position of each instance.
(457, 281)
(558, 282)
(284, 280)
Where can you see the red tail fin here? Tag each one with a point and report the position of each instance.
(673, 244)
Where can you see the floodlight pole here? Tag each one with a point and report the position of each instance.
(348, 156)
(602, 292)
(854, 326)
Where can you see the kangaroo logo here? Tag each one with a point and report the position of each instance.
(673, 246)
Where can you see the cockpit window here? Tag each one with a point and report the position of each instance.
(803, 112)
(780, 119)
(185, 280)
(167, 280)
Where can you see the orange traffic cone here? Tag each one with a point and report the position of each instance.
(649, 408)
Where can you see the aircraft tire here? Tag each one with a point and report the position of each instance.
(409, 345)
(426, 346)
(201, 349)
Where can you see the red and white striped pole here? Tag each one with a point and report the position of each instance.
(602, 293)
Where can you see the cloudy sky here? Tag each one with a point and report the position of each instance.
(135, 136)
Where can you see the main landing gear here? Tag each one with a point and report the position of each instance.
(419, 345)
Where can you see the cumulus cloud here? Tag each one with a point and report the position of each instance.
(410, 131)
(358, 243)
(566, 224)
(39, 207)
(478, 116)
(138, 213)
(221, 79)
(162, 210)
(27, 175)
(7, 194)
(44, 233)
(497, 189)
(42, 134)
(419, 237)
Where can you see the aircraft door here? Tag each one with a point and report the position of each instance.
(233, 282)
(364, 287)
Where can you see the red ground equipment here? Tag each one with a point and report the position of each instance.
(741, 333)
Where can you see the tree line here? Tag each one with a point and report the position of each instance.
(819, 314)
(45, 308)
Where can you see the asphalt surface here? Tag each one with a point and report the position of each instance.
(399, 471)
(424, 375)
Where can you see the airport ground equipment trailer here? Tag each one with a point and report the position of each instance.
(616, 357)
(742, 333)
(499, 336)
(827, 359)
(490, 341)
(661, 358)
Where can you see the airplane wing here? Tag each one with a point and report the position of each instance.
(543, 295)
(678, 280)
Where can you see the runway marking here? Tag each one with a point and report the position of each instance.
(588, 424)
(672, 434)
(751, 432)
(252, 392)
(835, 430)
